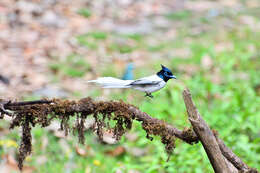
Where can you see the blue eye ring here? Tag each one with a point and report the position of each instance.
(166, 73)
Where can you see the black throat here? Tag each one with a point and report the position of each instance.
(162, 76)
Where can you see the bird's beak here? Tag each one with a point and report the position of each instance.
(173, 77)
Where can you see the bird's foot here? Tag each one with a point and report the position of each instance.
(149, 95)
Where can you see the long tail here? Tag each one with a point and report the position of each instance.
(110, 82)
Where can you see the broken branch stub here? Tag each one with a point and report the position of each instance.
(205, 135)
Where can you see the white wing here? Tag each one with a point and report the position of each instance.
(148, 84)
(150, 80)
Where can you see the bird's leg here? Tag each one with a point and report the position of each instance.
(149, 95)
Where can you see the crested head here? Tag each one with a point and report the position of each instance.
(165, 74)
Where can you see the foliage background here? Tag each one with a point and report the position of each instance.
(50, 48)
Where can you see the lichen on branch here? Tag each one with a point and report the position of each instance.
(104, 112)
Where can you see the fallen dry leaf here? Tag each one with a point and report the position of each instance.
(116, 152)
(81, 151)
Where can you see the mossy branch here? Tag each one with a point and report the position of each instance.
(42, 112)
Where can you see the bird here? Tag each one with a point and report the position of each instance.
(128, 74)
(148, 84)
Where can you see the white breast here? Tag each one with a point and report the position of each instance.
(149, 88)
(153, 88)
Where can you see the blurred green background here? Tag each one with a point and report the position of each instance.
(212, 47)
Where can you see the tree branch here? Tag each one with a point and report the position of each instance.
(206, 136)
(233, 158)
(213, 146)
(42, 112)
(186, 135)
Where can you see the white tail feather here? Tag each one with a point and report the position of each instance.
(110, 82)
